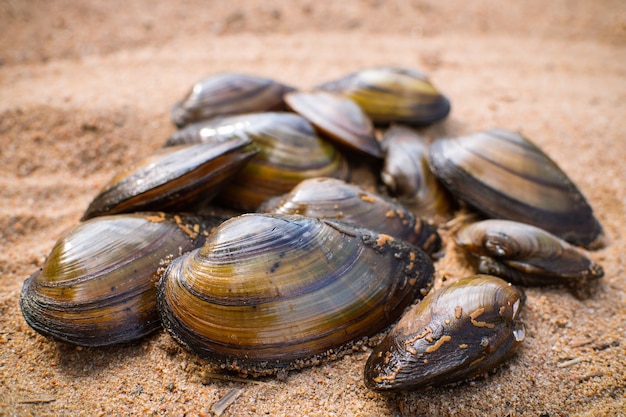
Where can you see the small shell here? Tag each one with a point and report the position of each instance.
(330, 198)
(505, 176)
(338, 118)
(407, 175)
(393, 95)
(270, 292)
(456, 333)
(229, 93)
(97, 286)
(524, 254)
(173, 178)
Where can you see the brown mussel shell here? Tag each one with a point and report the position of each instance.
(407, 175)
(465, 329)
(289, 151)
(393, 95)
(173, 178)
(524, 254)
(330, 198)
(505, 176)
(338, 118)
(271, 292)
(98, 285)
(229, 93)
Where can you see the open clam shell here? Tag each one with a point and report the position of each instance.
(407, 175)
(173, 178)
(505, 176)
(270, 292)
(389, 95)
(460, 331)
(330, 198)
(524, 254)
(98, 285)
(338, 118)
(229, 93)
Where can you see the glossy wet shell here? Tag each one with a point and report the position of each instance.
(338, 118)
(173, 178)
(460, 331)
(393, 95)
(98, 285)
(505, 176)
(270, 292)
(407, 175)
(525, 254)
(229, 93)
(330, 198)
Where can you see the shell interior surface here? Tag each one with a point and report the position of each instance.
(338, 118)
(505, 176)
(389, 95)
(270, 292)
(173, 178)
(463, 330)
(407, 175)
(330, 198)
(229, 93)
(98, 285)
(524, 254)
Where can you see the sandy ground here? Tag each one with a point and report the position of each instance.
(86, 88)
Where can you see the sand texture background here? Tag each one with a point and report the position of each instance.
(86, 88)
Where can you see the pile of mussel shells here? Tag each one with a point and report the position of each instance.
(246, 240)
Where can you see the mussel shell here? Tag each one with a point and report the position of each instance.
(524, 254)
(289, 151)
(463, 330)
(98, 285)
(505, 176)
(338, 118)
(229, 93)
(391, 95)
(407, 175)
(270, 292)
(330, 198)
(173, 178)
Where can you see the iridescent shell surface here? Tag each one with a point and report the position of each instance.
(407, 175)
(338, 118)
(505, 176)
(270, 292)
(173, 178)
(524, 254)
(389, 95)
(330, 198)
(460, 331)
(229, 93)
(98, 285)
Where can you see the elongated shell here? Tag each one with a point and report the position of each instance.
(229, 93)
(271, 292)
(173, 178)
(330, 198)
(338, 118)
(407, 175)
(505, 176)
(460, 331)
(391, 95)
(524, 254)
(98, 285)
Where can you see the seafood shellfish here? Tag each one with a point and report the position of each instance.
(98, 285)
(524, 254)
(505, 176)
(460, 331)
(270, 292)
